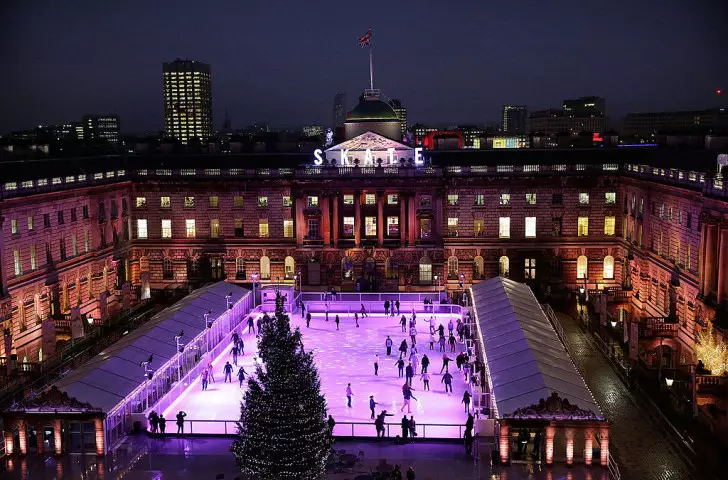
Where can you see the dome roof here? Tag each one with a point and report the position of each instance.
(372, 109)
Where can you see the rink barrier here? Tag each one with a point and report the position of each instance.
(376, 307)
(438, 431)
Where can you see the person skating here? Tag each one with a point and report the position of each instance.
(413, 335)
(432, 340)
(204, 376)
(336, 319)
(210, 371)
(466, 400)
(414, 359)
(356, 318)
(349, 394)
(403, 323)
(414, 317)
(363, 311)
(451, 340)
(425, 377)
(241, 376)
(402, 348)
(400, 366)
(432, 324)
(409, 373)
(228, 369)
(241, 346)
(441, 330)
(396, 304)
(466, 371)
(441, 343)
(459, 360)
(405, 429)
(447, 380)
(388, 343)
(450, 326)
(445, 362)
(162, 424)
(372, 404)
(235, 353)
(407, 394)
(251, 327)
(386, 307)
(376, 364)
(303, 309)
(410, 473)
(308, 319)
(326, 314)
(181, 422)
(425, 363)
(236, 337)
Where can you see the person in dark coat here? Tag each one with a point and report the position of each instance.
(411, 473)
(466, 401)
(241, 376)
(405, 427)
(181, 422)
(235, 353)
(386, 307)
(402, 348)
(396, 473)
(331, 423)
(228, 370)
(153, 421)
(403, 322)
(303, 310)
(379, 423)
(251, 324)
(388, 343)
(396, 304)
(372, 404)
(235, 338)
(409, 373)
(400, 366)
(162, 424)
(337, 321)
(425, 363)
(447, 380)
(308, 319)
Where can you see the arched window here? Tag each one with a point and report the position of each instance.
(608, 267)
(478, 268)
(503, 266)
(143, 264)
(290, 265)
(167, 269)
(452, 267)
(582, 267)
(425, 271)
(392, 268)
(239, 268)
(264, 267)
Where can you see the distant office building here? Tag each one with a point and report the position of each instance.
(339, 110)
(187, 100)
(585, 107)
(421, 131)
(472, 135)
(552, 121)
(703, 121)
(513, 118)
(312, 130)
(101, 127)
(401, 112)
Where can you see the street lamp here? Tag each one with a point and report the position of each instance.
(462, 285)
(614, 323)
(254, 278)
(177, 339)
(300, 280)
(227, 301)
(208, 322)
(669, 381)
(436, 285)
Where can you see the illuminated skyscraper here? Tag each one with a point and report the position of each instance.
(513, 118)
(401, 112)
(187, 100)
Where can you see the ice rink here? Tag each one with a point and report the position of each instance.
(344, 356)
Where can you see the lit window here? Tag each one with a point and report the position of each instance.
(452, 226)
(238, 201)
(13, 226)
(286, 201)
(164, 202)
(530, 199)
(392, 199)
(530, 269)
(348, 199)
(610, 198)
(239, 228)
(503, 266)
(530, 227)
(86, 242)
(609, 225)
(263, 228)
(504, 227)
(288, 228)
(479, 199)
(262, 201)
(478, 227)
(505, 199)
(584, 198)
(393, 226)
(348, 226)
(166, 228)
(190, 230)
(313, 201)
(31, 224)
(214, 227)
(142, 228)
(581, 267)
(214, 201)
(16, 263)
(370, 226)
(452, 199)
(189, 202)
(74, 245)
(141, 202)
(33, 258)
(370, 199)
(608, 267)
(583, 227)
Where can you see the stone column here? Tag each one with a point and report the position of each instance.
(357, 218)
(604, 446)
(9, 443)
(57, 437)
(550, 432)
(335, 221)
(722, 265)
(505, 444)
(588, 446)
(22, 439)
(711, 258)
(99, 429)
(325, 222)
(39, 434)
(569, 432)
(701, 257)
(412, 218)
(380, 218)
(437, 228)
(300, 221)
(403, 220)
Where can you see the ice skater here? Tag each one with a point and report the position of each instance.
(413, 335)
(363, 311)
(235, 338)
(372, 404)
(241, 376)
(391, 309)
(396, 304)
(356, 318)
(228, 369)
(425, 377)
(251, 325)
(450, 326)
(445, 362)
(308, 319)
(303, 309)
(349, 394)
(336, 319)
(402, 348)
(447, 380)
(235, 353)
(210, 371)
(451, 341)
(241, 346)
(388, 343)
(205, 373)
(407, 395)
(432, 324)
(466, 400)
(400, 366)
(403, 322)
(432, 340)
(441, 330)
(376, 364)
(409, 373)
(441, 343)
(415, 361)
(181, 422)
(425, 363)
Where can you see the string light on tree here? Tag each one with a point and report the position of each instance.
(713, 355)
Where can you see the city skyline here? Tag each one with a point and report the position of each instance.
(259, 72)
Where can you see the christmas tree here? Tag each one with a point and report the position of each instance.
(283, 432)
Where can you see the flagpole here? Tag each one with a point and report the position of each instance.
(371, 64)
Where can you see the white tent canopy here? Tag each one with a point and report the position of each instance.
(109, 377)
(525, 357)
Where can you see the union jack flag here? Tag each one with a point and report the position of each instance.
(366, 40)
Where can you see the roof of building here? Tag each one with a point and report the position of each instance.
(372, 109)
(113, 374)
(526, 360)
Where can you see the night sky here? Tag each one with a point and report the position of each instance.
(282, 61)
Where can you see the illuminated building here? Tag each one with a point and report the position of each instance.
(101, 127)
(647, 124)
(187, 100)
(585, 106)
(513, 118)
(312, 130)
(373, 114)
(401, 112)
(553, 122)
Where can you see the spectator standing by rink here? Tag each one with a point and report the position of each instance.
(386, 310)
(181, 422)
(388, 344)
(396, 304)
